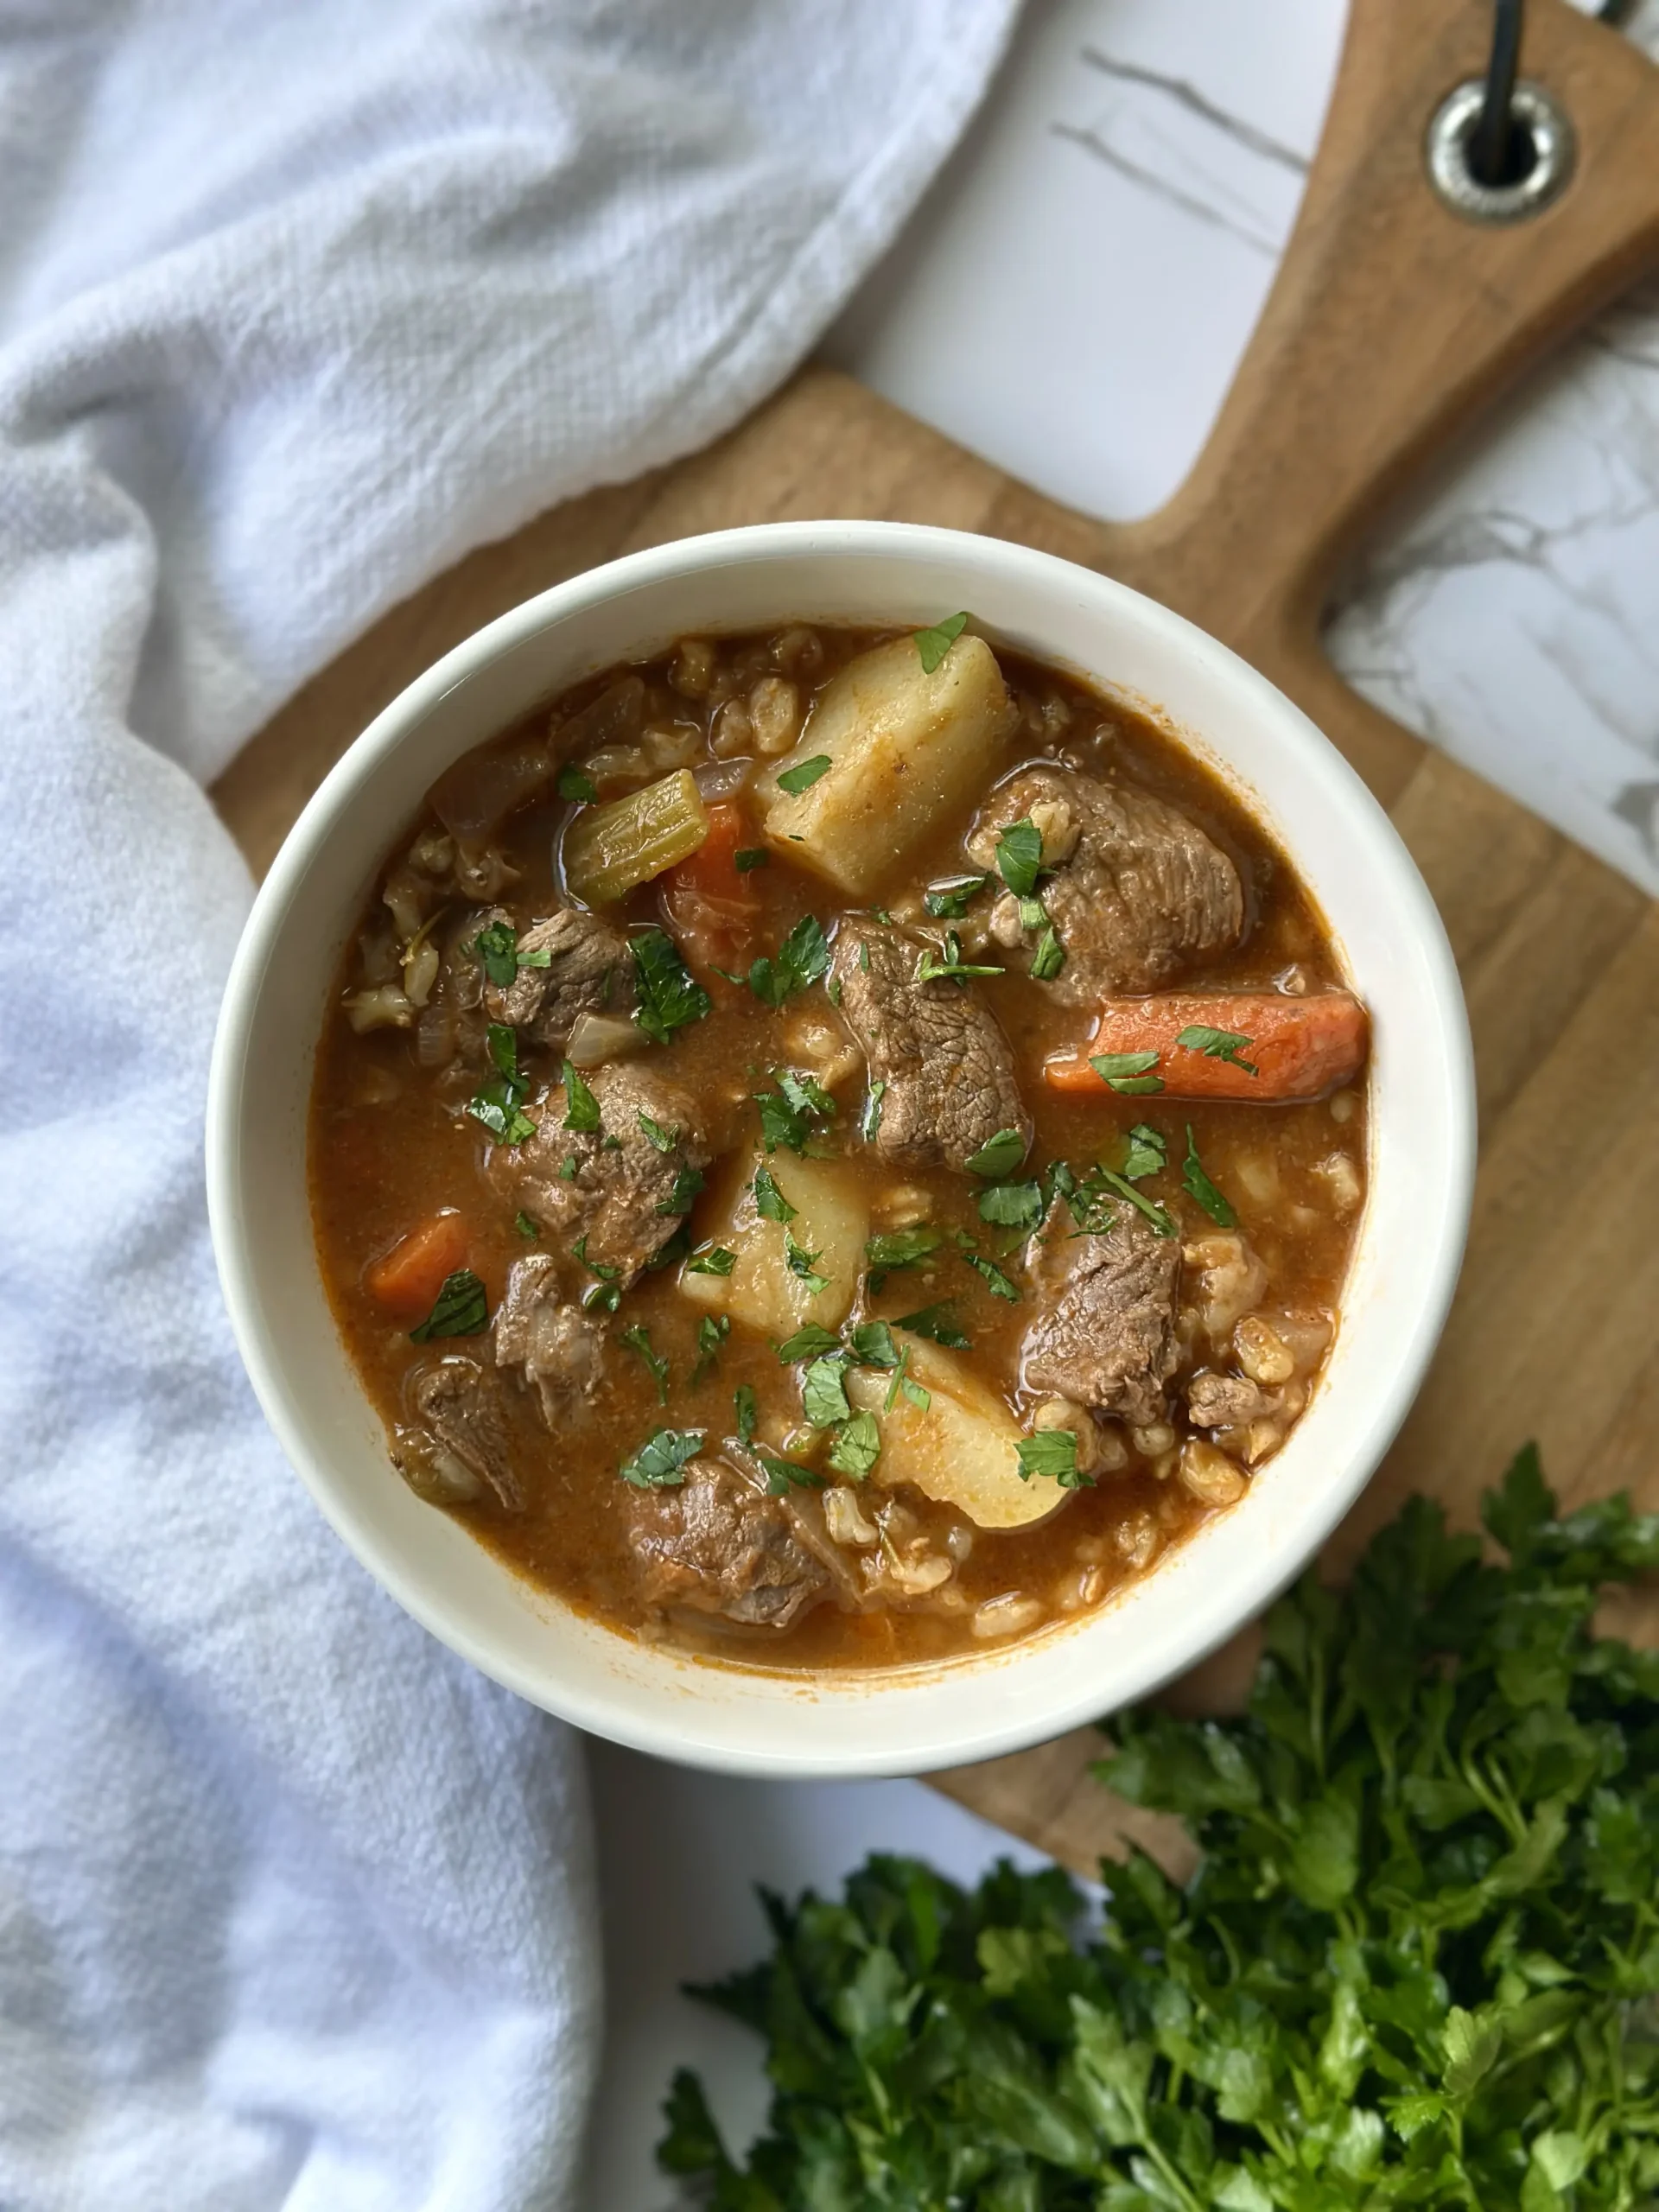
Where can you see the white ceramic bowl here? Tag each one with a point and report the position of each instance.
(1411, 1239)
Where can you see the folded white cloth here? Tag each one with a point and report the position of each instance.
(298, 302)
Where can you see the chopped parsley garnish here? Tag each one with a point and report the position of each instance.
(1148, 1152)
(525, 1225)
(999, 1155)
(950, 901)
(683, 1197)
(802, 958)
(823, 1394)
(857, 1446)
(873, 1344)
(581, 1107)
(496, 950)
(1053, 1452)
(932, 644)
(460, 1309)
(665, 1139)
(931, 967)
(713, 1260)
(809, 1341)
(803, 1263)
(918, 1397)
(832, 989)
(770, 1201)
(605, 1294)
(745, 1411)
(570, 1167)
(751, 857)
(864, 959)
(1049, 957)
(572, 783)
(1217, 1044)
(669, 995)
(497, 1102)
(660, 1464)
(785, 1475)
(670, 1254)
(712, 1332)
(870, 1119)
(1160, 1220)
(1012, 1205)
(1033, 913)
(936, 1322)
(1020, 858)
(1128, 1072)
(1088, 1200)
(992, 1276)
(900, 1248)
(1196, 1181)
(637, 1338)
(804, 774)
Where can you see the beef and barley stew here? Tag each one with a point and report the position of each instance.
(836, 1150)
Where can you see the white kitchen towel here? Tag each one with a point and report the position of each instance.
(298, 302)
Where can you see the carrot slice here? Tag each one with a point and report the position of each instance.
(408, 1278)
(1251, 1045)
(709, 905)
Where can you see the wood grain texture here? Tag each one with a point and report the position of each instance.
(1391, 326)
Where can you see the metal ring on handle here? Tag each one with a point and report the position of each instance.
(1446, 151)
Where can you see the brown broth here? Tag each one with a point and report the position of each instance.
(389, 1148)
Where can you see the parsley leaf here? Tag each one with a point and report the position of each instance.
(1000, 1154)
(898, 1248)
(937, 1322)
(930, 966)
(665, 1139)
(669, 996)
(713, 1260)
(1012, 1205)
(919, 1398)
(637, 1338)
(801, 1263)
(785, 1475)
(870, 1121)
(873, 1344)
(1053, 1452)
(1127, 1072)
(1156, 1215)
(526, 1225)
(572, 783)
(1020, 857)
(999, 1285)
(823, 1394)
(497, 1102)
(769, 1200)
(1049, 957)
(1217, 1044)
(683, 1197)
(1148, 1151)
(809, 1341)
(802, 958)
(932, 644)
(1196, 1181)
(857, 1446)
(804, 774)
(950, 900)
(750, 858)
(712, 1332)
(660, 1464)
(745, 1410)
(581, 1107)
(496, 950)
(605, 1294)
(460, 1309)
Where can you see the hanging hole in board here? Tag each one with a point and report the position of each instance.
(1538, 159)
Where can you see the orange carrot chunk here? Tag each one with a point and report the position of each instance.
(408, 1278)
(710, 903)
(1253, 1045)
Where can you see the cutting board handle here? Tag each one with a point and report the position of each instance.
(1391, 323)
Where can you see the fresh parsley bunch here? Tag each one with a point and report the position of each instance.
(1416, 1967)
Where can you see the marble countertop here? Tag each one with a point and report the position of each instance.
(1070, 302)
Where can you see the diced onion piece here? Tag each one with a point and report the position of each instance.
(904, 747)
(610, 849)
(831, 1218)
(962, 1451)
(596, 1038)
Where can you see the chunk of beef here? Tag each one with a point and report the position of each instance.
(938, 1049)
(717, 1545)
(555, 1346)
(458, 1406)
(587, 971)
(1107, 1341)
(1138, 891)
(626, 1197)
(1226, 1400)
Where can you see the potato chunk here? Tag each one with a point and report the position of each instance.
(904, 747)
(964, 1451)
(832, 1219)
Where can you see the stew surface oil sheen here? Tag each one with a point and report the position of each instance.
(1026, 1265)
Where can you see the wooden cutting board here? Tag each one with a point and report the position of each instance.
(1391, 324)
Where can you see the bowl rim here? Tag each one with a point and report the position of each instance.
(1315, 1515)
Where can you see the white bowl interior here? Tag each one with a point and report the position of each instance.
(1421, 1164)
